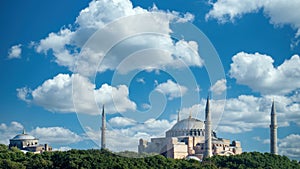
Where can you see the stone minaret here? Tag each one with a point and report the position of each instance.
(273, 131)
(103, 128)
(207, 122)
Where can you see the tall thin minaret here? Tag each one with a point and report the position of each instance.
(273, 131)
(207, 122)
(103, 128)
(178, 115)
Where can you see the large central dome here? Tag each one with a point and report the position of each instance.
(186, 127)
(188, 124)
(23, 137)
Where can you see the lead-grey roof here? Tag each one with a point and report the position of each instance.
(188, 124)
(23, 137)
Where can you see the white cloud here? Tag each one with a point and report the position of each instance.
(196, 111)
(64, 148)
(121, 122)
(57, 43)
(132, 134)
(23, 93)
(290, 146)
(146, 106)
(198, 88)
(15, 52)
(171, 89)
(67, 43)
(63, 92)
(246, 112)
(258, 72)
(219, 87)
(266, 141)
(141, 80)
(224, 10)
(9, 131)
(58, 135)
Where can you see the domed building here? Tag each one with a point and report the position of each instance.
(190, 137)
(26, 142)
(185, 127)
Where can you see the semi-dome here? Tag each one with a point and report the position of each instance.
(23, 137)
(188, 124)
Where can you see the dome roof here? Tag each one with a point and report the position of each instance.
(23, 137)
(188, 124)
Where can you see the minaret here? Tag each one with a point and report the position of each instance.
(189, 119)
(207, 122)
(273, 130)
(103, 128)
(178, 115)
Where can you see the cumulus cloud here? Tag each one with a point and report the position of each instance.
(9, 131)
(64, 148)
(68, 42)
(58, 135)
(65, 93)
(219, 87)
(146, 106)
(171, 89)
(132, 134)
(258, 72)
(290, 146)
(121, 122)
(229, 10)
(198, 88)
(196, 111)
(56, 42)
(246, 112)
(15, 52)
(140, 80)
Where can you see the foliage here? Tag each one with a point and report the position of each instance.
(254, 160)
(79, 159)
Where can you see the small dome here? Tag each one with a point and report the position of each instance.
(23, 137)
(188, 124)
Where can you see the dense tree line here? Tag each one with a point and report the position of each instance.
(77, 159)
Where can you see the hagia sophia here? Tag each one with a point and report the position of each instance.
(193, 138)
(188, 138)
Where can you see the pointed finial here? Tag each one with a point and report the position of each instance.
(24, 131)
(207, 103)
(102, 109)
(178, 115)
(273, 107)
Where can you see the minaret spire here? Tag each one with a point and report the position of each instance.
(273, 130)
(24, 131)
(103, 128)
(178, 115)
(207, 122)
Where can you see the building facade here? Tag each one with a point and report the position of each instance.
(28, 143)
(187, 138)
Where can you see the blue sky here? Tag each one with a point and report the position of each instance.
(61, 60)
